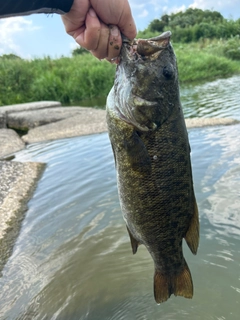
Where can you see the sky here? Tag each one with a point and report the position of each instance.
(41, 35)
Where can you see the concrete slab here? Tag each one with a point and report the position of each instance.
(5, 110)
(25, 120)
(88, 122)
(30, 106)
(10, 142)
(18, 181)
(205, 122)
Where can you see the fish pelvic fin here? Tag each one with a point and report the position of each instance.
(192, 235)
(134, 242)
(179, 284)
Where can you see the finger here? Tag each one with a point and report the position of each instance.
(117, 13)
(115, 43)
(126, 22)
(128, 27)
(101, 51)
(89, 36)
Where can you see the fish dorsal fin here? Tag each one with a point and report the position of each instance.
(192, 235)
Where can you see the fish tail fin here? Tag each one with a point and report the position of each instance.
(178, 284)
(192, 235)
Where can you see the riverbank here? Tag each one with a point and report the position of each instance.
(28, 123)
(83, 77)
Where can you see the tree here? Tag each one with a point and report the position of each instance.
(10, 56)
(79, 50)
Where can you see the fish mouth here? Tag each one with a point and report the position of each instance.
(145, 48)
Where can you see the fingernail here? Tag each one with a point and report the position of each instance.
(114, 31)
(92, 13)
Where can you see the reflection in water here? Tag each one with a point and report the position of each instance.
(73, 258)
(219, 98)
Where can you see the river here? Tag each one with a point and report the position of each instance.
(73, 260)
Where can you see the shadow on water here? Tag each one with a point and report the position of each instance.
(73, 259)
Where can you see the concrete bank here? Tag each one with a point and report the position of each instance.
(18, 181)
(23, 124)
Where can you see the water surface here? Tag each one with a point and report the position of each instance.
(73, 260)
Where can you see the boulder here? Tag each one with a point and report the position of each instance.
(6, 110)
(206, 122)
(89, 121)
(18, 181)
(26, 120)
(30, 106)
(3, 122)
(10, 142)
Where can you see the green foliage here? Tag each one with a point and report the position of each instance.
(79, 50)
(207, 46)
(232, 48)
(146, 34)
(195, 64)
(67, 80)
(15, 81)
(195, 24)
(9, 56)
(157, 25)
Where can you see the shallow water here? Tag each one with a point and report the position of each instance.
(72, 259)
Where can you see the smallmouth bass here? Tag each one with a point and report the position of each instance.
(152, 156)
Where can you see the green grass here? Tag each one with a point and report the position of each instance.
(71, 80)
(198, 61)
(65, 79)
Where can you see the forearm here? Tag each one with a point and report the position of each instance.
(10, 8)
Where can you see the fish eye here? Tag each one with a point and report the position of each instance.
(168, 72)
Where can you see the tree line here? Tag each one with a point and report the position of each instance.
(195, 24)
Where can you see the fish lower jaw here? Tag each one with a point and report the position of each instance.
(131, 121)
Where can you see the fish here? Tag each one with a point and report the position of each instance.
(151, 149)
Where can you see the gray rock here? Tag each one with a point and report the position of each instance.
(18, 181)
(3, 123)
(30, 106)
(30, 119)
(88, 122)
(10, 142)
(6, 110)
(205, 122)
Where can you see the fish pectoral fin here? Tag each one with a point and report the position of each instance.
(114, 155)
(179, 284)
(134, 242)
(137, 154)
(192, 235)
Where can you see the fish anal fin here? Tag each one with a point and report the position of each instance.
(179, 284)
(134, 242)
(192, 235)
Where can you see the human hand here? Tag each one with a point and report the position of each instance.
(97, 25)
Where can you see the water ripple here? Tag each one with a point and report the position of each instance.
(73, 257)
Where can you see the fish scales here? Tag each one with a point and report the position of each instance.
(152, 155)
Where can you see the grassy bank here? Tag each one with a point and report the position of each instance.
(207, 59)
(81, 77)
(65, 79)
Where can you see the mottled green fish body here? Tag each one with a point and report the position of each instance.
(152, 155)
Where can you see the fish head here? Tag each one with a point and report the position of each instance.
(146, 84)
